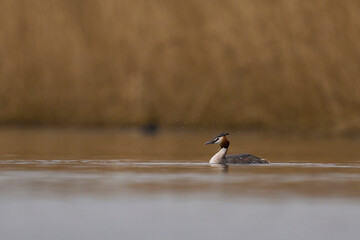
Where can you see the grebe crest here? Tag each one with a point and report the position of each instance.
(221, 157)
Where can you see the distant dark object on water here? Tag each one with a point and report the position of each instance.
(150, 128)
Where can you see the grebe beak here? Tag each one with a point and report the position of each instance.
(209, 142)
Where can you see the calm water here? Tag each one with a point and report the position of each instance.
(112, 184)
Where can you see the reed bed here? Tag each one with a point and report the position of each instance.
(239, 64)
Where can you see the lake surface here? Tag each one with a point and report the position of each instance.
(116, 184)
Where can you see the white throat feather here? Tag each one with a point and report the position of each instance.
(219, 157)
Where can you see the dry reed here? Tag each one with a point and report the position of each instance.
(284, 64)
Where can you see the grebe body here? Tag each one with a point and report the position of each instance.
(221, 157)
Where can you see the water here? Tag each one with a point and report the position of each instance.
(112, 184)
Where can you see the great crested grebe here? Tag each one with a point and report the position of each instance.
(221, 157)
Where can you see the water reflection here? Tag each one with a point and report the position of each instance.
(99, 177)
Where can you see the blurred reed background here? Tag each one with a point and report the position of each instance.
(287, 65)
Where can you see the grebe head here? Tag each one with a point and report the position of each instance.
(220, 139)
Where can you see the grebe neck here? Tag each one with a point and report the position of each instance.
(219, 157)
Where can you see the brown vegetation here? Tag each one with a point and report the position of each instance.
(284, 64)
